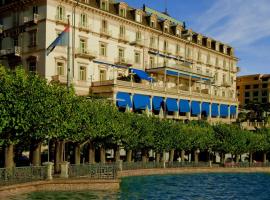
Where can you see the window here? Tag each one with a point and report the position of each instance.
(247, 94)
(178, 33)
(104, 5)
(32, 67)
(122, 31)
(82, 73)
(224, 64)
(152, 62)
(264, 100)
(217, 62)
(224, 78)
(232, 80)
(246, 101)
(138, 17)
(265, 85)
(83, 20)
(32, 38)
(152, 42)
(104, 26)
(153, 23)
(177, 49)
(60, 13)
(35, 9)
(137, 57)
(208, 59)
(166, 29)
(264, 79)
(138, 36)
(223, 93)
(216, 76)
(15, 41)
(247, 87)
(103, 49)
(60, 68)
(255, 93)
(199, 56)
(82, 45)
(264, 93)
(238, 87)
(165, 45)
(121, 54)
(102, 75)
(256, 86)
(122, 12)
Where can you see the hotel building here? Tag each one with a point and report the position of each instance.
(253, 88)
(142, 59)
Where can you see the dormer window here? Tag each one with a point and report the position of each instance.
(138, 17)
(153, 24)
(166, 25)
(166, 29)
(153, 21)
(104, 5)
(122, 12)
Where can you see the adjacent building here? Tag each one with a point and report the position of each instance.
(142, 59)
(253, 88)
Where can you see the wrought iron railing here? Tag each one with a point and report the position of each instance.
(246, 164)
(16, 175)
(93, 171)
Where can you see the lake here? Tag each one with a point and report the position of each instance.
(187, 187)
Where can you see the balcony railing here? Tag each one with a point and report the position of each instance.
(17, 51)
(123, 38)
(84, 27)
(167, 51)
(85, 53)
(122, 61)
(33, 19)
(61, 19)
(152, 88)
(137, 42)
(105, 32)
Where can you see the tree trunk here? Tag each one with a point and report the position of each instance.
(222, 158)
(77, 154)
(91, 153)
(9, 156)
(102, 154)
(237, 158)
(163, 156)
(35, 153)
(196, 157)
(250, 158)
(264, 157)
(144, 156)
(129, 155)
(171, 155)
(117, 154)
(58, 158)
(157, 157)
(183, 156)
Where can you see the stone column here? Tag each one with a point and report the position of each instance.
(64, 169)
(49, 166)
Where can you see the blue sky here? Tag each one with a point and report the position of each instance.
(243, 24)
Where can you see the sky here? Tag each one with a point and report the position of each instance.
(243, 24)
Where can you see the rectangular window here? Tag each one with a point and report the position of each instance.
(104, 5)
(32, 66)
(208, 59)
(255, 93)
(32, 38)
(82, 73)
(247, 94)
(152, 42)
(264, 100)
(138, 17)
(104, 26)
(60, 68)
(264, 93)
(265, 79)
(122, 12)
(83, 20)
(199, 56)
(60, 13)
(122, 31)
(265, 85)
(224, 78)
(138, 36)
(102, 75)
(152, 62)
(165, 45)
(82, 45)
(256, 86)
(177, 49)
(35, 9)
(247, 87)
(246, 101)
(121, 54)
(153, 24)
(103, 49)
(137, 57)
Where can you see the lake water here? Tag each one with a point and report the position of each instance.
(186, 187)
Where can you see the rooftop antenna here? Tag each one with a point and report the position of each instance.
(166, 8)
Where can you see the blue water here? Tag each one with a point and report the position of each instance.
(184, 187)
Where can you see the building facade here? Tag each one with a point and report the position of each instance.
(253, 88)
(142, 59)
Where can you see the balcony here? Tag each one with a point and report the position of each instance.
(226, 84)
(85, 53)
(16, 50)
(33, 19)
(61, 20)
(167, 51)
(104, 32)
(84, 27)
(122, 61)
(110, 86)
(123, 38)
(153, 47)
(138, 43)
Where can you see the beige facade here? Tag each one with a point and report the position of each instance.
(110, 39)
(253, 88)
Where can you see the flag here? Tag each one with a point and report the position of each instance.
(62, 39)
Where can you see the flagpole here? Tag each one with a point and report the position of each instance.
(68, 56)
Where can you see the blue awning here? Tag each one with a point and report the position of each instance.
(206, 108)
(214, 110)
(224, 110)
(195, 108)
(123, 100)
(233, 110)
(142, 74)
(157, 103)
(184, 106)
(141, 102)
(171, 73)
(171, 105)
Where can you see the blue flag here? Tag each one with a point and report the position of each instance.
(62, 39)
